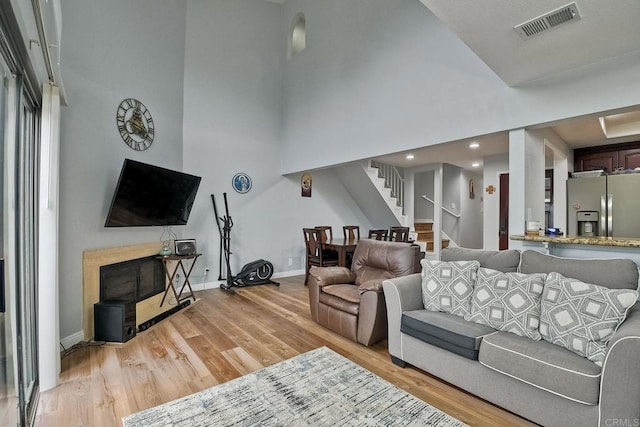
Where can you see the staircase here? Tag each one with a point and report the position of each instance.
(390, 184)
(424, 232)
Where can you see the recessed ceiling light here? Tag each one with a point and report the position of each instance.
(410, 156)
(475, 164)
(623, 124)
(474, 145)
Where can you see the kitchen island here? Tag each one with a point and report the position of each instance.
(579, 246)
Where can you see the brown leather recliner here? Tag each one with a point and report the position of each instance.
(351, 301)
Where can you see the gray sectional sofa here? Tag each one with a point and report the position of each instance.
(536, 379)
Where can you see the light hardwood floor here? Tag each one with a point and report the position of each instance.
(221, 337)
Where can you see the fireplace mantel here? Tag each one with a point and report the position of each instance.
(93, 259)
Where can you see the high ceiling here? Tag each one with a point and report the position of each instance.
(601, 30)
(606, 29)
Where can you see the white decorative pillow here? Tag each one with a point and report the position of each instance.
(508, 302)
(447, 286)
(582, 317)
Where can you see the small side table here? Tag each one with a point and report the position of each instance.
(172, 274)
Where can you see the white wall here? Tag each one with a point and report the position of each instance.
(111, 51)
(471, 211)
(232, 119)
(383, 76)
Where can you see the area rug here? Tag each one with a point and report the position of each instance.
(318, 388)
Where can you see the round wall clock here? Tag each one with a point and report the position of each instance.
(135, 124)
(241, 183)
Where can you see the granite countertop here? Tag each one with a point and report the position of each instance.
(579, 240)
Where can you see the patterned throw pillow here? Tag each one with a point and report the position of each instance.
(508, 302)
(447, 286)
(582, 317)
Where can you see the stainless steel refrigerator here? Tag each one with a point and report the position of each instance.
(606, 205)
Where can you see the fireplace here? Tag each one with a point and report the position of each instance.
(132, 280)
(93, 259)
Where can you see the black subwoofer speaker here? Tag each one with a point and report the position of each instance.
(114, 321)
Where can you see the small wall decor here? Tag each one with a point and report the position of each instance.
(472, 189)
(241, 182)
(305, 184)
(135, 124)
(491, 189)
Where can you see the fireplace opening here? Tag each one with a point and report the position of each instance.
(132, 280)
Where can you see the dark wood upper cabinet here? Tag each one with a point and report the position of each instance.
(629, 159)
(607, 157)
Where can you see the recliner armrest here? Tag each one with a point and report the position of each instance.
(374, 285)
(332, 275)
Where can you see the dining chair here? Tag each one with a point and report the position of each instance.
(378, 234)
(398, 234)
(315, 255)
(351, 232)
(326, 231)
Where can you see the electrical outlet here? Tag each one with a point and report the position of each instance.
(206, 271)
(290, 261)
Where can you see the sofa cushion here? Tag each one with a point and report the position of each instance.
(447, 286)
(446, 331)
(542, 365)
(614, 273)
(582, 317)
(508, 302)
(504, 261)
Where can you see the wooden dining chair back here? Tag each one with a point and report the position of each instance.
(315, 255)
(326, 231)
(351, 232)
(398, 234)
(378, 234)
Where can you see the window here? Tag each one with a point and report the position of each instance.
(298, 34)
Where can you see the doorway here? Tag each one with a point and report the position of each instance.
(503, 239)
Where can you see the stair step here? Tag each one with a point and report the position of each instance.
(430, 244)
(423, 226)
(424, 235)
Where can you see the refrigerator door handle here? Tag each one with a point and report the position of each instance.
(603, 216)
(609, 215)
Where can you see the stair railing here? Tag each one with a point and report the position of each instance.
(450, 212)
(392, 180)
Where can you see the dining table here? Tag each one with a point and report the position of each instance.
(342, 247)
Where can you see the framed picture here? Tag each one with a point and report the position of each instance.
(305, 184)
(241, 182)
(185, 247)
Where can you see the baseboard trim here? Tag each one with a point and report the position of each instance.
(73, 339)
(216, 284)
(288, 273)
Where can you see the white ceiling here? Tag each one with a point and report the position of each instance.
(606, 29)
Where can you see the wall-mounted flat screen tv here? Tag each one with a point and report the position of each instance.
(148, 195)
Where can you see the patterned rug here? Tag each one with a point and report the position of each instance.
(318, 388)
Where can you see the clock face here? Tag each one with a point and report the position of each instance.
(135, 124)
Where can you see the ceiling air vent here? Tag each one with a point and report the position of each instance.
(548, 21)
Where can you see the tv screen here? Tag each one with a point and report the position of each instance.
(148, 195)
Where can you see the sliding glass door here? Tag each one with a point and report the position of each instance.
(26, 255)
(8, 392)
(20, 126)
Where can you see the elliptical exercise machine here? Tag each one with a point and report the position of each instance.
(257, 272)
